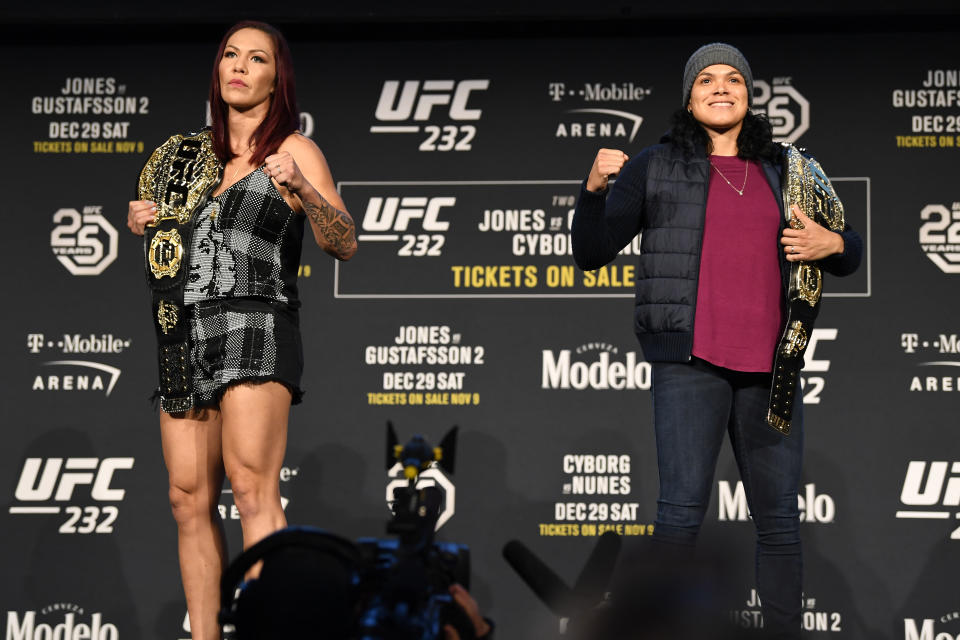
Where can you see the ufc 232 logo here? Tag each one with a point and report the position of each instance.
(86, 243)
(940, 235)
(930, 489)
(408, 104)
(811, 383)
(787, 110)
(386, 217)
(46, 483)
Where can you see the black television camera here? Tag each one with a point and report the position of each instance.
(314, 584)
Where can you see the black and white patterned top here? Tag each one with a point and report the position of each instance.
(246, 243)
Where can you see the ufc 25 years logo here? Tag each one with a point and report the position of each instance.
(786, 108)
(940, 235)
(86, 243)
(407, 106)
(46, 484)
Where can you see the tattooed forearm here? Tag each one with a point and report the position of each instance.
(334, 229)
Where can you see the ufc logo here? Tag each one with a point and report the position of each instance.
(809, 363)
(85, 244)
(918, 493)
(419, 102)
(37, 486)
(393, 213)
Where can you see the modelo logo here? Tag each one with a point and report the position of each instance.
(559, 372)
(81, 472)
(85, 244)
(814, 507)
(69, 629)
(926, 631)
(787, 110)
(938, 490)
(415, 103)
(940, 235)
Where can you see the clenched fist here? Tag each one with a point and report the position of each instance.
(608, 163)
(283, 168)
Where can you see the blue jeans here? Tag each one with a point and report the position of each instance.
(694, 404)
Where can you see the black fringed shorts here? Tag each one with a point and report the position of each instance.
(234, 340)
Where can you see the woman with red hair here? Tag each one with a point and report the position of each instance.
(240, 296)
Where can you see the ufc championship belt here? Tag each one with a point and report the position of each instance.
(179, 177)
(807, 186)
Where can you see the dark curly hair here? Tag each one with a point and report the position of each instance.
(755, 141)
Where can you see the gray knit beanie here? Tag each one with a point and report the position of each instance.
(716, 53)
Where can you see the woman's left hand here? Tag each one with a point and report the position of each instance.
(810, 243)
(283, 168)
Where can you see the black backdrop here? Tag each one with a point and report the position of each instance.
(462, 305)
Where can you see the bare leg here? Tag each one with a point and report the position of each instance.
(192, 451)
(254, 441)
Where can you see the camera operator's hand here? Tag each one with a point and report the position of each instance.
(463, 598)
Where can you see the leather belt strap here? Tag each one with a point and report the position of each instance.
(806, 185)
(179, 177)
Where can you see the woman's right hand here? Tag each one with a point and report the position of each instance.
(139, 213)
(608, 163)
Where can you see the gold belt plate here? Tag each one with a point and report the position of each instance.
(167, 316)
(178, 176)
(165, 254)
(809, 188)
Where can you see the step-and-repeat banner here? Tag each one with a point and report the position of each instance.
(461, 164)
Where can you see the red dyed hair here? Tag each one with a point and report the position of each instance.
(282, 118)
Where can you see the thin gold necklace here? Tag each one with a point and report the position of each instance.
(746, 169)
(237, 170)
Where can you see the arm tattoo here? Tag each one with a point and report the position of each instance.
(333, 225)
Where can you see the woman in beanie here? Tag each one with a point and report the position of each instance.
(710, 306)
